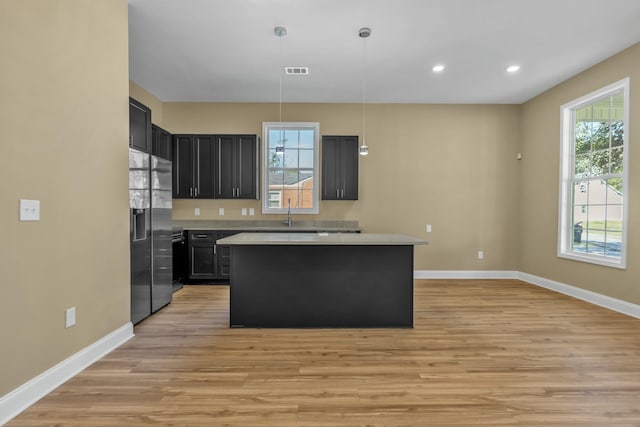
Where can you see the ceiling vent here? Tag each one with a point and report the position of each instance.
(296, 71)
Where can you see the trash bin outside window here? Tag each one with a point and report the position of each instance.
(577, 233)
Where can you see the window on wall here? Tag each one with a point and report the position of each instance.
(593, 177)
(290, 167)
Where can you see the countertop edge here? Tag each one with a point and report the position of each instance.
(309, 239)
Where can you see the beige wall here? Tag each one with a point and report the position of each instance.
(539, 185)
(64, 121)
(452, 166)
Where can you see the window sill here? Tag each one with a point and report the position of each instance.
(591, 259)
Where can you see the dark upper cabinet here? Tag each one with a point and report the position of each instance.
(182, 167)
(215, 166)
(205, 171)
(161, 143)
(237, 167)
(339, 168)
(139, 126)
(194, 166)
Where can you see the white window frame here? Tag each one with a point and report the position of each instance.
(315, 126)
(567, 174)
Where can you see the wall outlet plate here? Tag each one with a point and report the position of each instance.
(221, 211)
(196, 211)
(29, 210)
(480, 255)
(70, 317)
(252, 211)
(428, 228)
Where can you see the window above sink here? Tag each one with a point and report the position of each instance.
(290, 167)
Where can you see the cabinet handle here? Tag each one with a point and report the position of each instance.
(337, 193)
(214, 249)
(130, 139)
(202, 236)
(196, 191)
(190, 191)
(342, 195)
(237, 192)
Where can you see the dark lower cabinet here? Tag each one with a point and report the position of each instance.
(208, 261)
(203, 260)
(224, 256)
(339, 168)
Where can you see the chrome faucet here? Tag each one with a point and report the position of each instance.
(289, 221)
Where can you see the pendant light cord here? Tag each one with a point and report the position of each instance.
(280, 76)
(364, 88)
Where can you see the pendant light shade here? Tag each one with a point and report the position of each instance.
(363, 33)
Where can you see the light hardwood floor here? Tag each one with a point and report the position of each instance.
(482, 353)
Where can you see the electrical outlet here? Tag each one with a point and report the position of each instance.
(428, 228)
(244, 211)
(29, 210)
(252, 212)
(70, 317)
(196, 211)
(221, 211)
(480, 255)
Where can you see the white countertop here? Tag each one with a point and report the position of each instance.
(363, 239)
(268, 225)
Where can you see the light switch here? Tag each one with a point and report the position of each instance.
(29, 210)
(428, 228)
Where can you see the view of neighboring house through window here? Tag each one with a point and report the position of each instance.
(290, 167)
(592, 224)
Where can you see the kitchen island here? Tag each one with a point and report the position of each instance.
(318, 280)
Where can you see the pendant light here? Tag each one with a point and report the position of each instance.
(364, 33)
(280, 32)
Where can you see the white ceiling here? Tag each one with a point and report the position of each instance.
(225, 50)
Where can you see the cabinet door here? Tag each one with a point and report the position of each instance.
(204, 164)
(203, 261)
(246, 171)
(139, 126)
(340, 168)
(182, 167)
(226, 188)
(331, 180)
(349, 167)
(161, 143)
(202, 255)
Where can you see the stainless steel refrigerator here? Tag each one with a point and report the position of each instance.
(150, 233)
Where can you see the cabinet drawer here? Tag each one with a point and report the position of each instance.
(202, 236)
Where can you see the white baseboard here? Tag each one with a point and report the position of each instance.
(595, 298)
(30, 392)
(465, 274)
(614, 304)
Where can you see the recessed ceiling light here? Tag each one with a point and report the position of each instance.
(438, 68)
(513, 68)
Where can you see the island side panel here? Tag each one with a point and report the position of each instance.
(321, 286)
